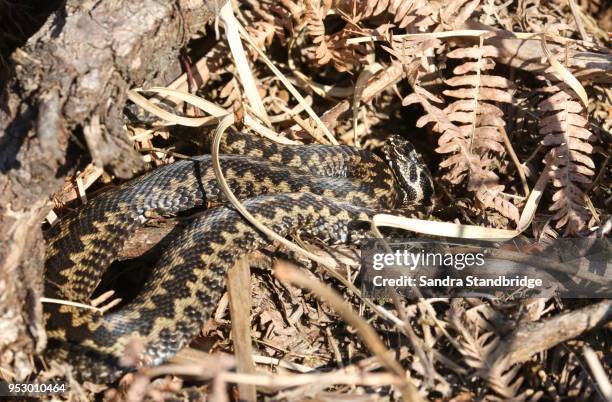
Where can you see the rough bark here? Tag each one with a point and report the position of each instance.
(69, 81)
(532, 338)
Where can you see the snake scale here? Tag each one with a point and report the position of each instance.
(326, 191)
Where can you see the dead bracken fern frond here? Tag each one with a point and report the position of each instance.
(418, 13)
(414, 51)
(475, 343)
(471, 138)
(478, 343)
(564, 130)
(330, 48)
(315, 14)
(506, 383)
(478, 119)
(456, 12)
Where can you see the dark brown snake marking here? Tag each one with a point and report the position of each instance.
(323, 190)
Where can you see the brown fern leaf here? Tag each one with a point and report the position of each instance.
(564, 130)
(476, 134)
(435, 115)
(478, 343)
(456, 12)
(488, 192)
(406, 50)
(268, 18)
(330, 48)
(315, 14)
(405, 12)
(507, 384)
(460, 142)
(475, 343)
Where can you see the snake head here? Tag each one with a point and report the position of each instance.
(410, 172)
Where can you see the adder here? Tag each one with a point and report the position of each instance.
(326, 191)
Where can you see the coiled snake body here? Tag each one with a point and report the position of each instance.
(323, 190)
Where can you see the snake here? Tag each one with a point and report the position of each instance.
(326, 191)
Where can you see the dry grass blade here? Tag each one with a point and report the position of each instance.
(217, 112)
(447, 229)
(239, 289)
(202, 369)
(144, 103)
(286, 381)
(533, 201)
(274, 361)
(85, 179)
(443, 229)
(204, 105)
(564, 74)
(69, 303)
(578, 19)
(241, 62)
(602, 379)
(440, 35)
(519, 167)
(362, 80)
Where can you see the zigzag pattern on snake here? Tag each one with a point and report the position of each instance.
(323, 190)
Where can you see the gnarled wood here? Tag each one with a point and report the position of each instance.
(70, 79)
